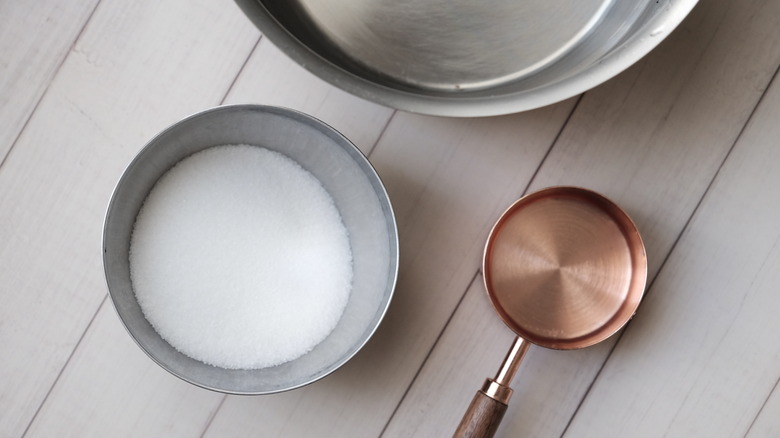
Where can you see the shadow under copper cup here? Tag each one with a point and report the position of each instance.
(564, 268)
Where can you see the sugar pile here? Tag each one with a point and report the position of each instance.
(239, 258)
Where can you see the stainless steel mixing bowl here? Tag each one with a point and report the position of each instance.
(465, 57)
(344, 172)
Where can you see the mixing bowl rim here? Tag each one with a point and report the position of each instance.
(619, 59)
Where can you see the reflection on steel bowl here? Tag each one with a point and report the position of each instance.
(465, 58)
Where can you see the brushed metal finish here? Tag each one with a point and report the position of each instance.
(454, 44)
(565, 268)
(497, 391)
(463, 58)
(512, 361)
(347, 176)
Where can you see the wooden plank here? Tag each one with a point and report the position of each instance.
(702, 357)
(767, 423)
(52, 206)
(447, 179)
(673, 118)
(651, 139)
(456, 384)
(127, 394)
(271, 78)
(266, 72)
(30, 57)
(138, 67)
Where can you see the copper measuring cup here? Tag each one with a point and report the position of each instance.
(565, 268)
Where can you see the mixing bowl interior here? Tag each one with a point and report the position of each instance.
(461, 58)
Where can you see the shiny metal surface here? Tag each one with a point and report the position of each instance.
(347, 176)
(498, 388)
(497, 391)
(512, 361)
(565, 268)
(464, 58)
(454, 45)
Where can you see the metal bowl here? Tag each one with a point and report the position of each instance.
(343, 171)
(466, 58)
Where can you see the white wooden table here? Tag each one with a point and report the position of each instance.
(687, 141)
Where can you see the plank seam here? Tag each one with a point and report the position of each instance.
(677, 241)
(64, 367)
(381, 134)
(240, 70)
(553, 143)
(428, 355)
(102, 303)
(476, 274)
(224, 98)
(763, 405)
(777, 382)
(618, 337)
(54, 75)
(51, 80)
(213, 416)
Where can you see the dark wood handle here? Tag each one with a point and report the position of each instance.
(482, 418)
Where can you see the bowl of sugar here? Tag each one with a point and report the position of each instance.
(250, 249)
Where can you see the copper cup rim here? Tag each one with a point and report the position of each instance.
(636, 287)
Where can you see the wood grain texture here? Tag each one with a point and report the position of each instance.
(481, 419)
(651, 139)
(659, 132)
(82, 91)
(767, 423)
(111, 388)
(104, 103)
(455, 384)
(35, 37)
(470, 350)
(443, 218)
(717, 294)
(255, 82)
(270, 78)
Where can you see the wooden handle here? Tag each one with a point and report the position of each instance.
(482, 418)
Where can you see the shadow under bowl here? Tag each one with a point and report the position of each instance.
(346, 175)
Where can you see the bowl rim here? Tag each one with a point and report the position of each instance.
(353, 151)
(617, 60)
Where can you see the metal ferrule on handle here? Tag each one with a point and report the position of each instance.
(486, 410)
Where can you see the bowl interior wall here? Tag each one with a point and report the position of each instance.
(345, 174)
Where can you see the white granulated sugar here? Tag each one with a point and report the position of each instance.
(239, 258)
